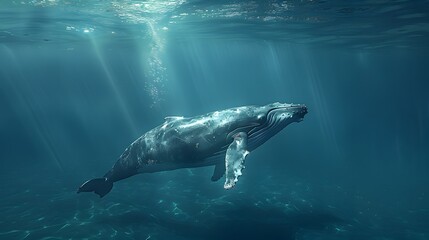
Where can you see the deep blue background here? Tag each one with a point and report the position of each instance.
(355, 168)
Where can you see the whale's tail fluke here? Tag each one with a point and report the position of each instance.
(100, 186)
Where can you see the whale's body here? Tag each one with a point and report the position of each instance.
(221, 138)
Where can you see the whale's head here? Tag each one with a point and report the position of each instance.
(272, 118)
(283, 113)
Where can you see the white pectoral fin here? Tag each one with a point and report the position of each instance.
(234, 159)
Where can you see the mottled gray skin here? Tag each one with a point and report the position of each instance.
(201, 141)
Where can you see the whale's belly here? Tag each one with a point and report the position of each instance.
(168, 166)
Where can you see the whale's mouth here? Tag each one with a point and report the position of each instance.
(277, 118)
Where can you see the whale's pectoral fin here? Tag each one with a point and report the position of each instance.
(219, 171)
(100, 186)
(234, 159)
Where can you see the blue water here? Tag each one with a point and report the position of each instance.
(81, 80)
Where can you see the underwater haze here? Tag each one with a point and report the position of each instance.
(81, 80)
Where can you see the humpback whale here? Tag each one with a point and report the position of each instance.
(221, 139)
